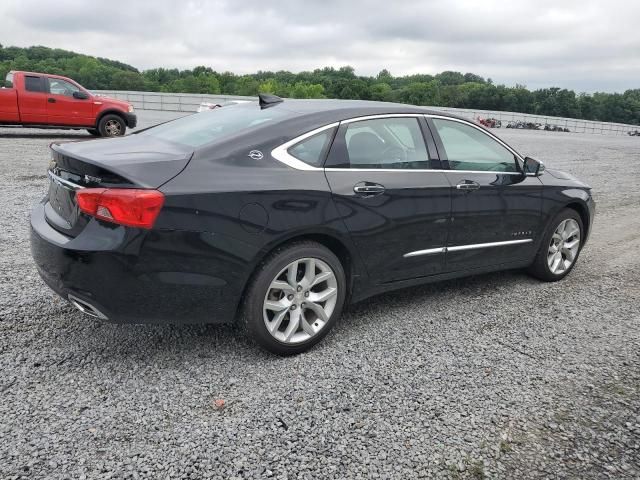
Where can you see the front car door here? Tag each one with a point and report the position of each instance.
(495, 208)
(63, 108)
(394, 202)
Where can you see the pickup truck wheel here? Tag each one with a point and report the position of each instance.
(112, 125)
(93, 132)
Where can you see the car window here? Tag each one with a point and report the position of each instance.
(386, 143)
(311, 150)
(8, 81)
(62, 87)
(217, 124)
(469, 148)
(33, 84)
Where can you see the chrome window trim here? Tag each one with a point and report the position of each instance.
(460, 248)
(64, 183)
(281, 153)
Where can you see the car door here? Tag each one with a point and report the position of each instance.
(394, 204)
(495, 208)
(63, 108)
(32, 100)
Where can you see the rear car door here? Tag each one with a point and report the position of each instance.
(495, 208)
(32, 99)
(394, 204)
(63, 108)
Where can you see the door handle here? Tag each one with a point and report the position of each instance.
(468, 185)
(51, 100)
(367, 189)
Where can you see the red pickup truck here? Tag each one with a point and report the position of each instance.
(50, 101)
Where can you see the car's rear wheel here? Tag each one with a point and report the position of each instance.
(560, 247)
(294, 298)
(112, 125)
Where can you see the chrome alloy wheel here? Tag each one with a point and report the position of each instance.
(300, 300)
(564, 246)
(113, 128)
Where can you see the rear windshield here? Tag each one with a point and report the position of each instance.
(206, 127)
(8, 81)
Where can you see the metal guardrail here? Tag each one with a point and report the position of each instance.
(188, 102)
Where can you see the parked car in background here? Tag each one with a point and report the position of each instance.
(634, 133)
(276, 214)
(42, 100)
(490, 122)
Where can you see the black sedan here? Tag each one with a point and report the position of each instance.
(274, 214)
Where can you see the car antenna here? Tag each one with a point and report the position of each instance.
(267, 100)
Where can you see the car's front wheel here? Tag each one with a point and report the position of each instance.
(112, 125)
(294, 298)
(560, 247)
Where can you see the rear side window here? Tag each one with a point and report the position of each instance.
(312, 150)
(8, 81)
(218, 124)
(386, 143)
(33, 84)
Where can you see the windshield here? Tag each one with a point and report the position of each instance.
(8, 81)
(202, 128)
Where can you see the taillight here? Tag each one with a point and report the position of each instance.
(125, 206)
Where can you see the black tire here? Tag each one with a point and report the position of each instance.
(112, 125)
(93, 132)
(540, 267)
(251, 319)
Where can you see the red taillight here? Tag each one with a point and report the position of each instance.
(125, 206)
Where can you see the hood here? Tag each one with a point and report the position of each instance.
(145, 161)
(112, 101)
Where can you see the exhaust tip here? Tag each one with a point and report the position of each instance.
(86, 307)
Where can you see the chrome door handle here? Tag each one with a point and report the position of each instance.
(367, 189)
(468, 185)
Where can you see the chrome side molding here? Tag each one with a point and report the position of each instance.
(460, 248)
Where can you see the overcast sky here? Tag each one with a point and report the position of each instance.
(587, 45)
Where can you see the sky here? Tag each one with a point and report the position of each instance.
(587, 45)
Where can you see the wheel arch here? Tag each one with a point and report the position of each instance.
(583, 211)
(331, 241)
(112, 111)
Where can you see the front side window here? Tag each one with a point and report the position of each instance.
(62, 87)
(386, 143)
(33, 84)
(312, 150)
(468, 148)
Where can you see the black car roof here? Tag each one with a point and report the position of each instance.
(349, 107)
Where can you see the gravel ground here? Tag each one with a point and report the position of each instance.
(495, 376)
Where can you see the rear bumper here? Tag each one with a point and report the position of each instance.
(134, 276)
(131, 119)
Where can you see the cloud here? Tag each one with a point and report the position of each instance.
(585, 45)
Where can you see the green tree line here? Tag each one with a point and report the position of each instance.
(446, 89)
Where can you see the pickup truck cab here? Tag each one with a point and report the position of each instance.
(42, 100)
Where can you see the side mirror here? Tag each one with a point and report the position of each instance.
(533, 167)
(80, 95)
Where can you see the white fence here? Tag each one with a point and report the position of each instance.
(188, 102)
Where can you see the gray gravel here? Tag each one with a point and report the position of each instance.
(496, 376)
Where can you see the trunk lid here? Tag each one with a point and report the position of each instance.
(128, 162)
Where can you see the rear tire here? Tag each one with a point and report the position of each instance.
(560, 247)
(294, 299)
(93, 132)
(112, 125)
